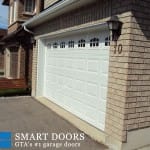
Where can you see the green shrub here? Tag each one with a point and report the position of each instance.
(1, 73)
(14, 92)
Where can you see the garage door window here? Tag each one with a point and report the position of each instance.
(94, 42)
(62, 45)
(81, 43)
(107, 41)
(71, 44)
(55, 45)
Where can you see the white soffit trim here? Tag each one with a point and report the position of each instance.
(55, 10)
(72, 30)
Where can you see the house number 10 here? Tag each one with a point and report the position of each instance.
(118, 49)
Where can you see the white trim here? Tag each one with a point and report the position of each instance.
(72, 30)
(40, 62)
(13, 12)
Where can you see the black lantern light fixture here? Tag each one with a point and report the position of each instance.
(114, 26)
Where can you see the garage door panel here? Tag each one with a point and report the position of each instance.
(91, 101)
(101, 106)
(78, 108)
(92, 89)
(93, 65)
(92, 77)
(76, 77)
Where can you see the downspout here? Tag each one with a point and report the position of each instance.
(27, 30)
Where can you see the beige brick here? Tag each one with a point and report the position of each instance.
(131, 100)
(119, 109)
(131, 105)
(141, 99)
(118, 81)
(145, 114)
(117, 92)
(117, 97)
(144, 124)
(132, 127)
(144, 119)
(135, 115)
(130, 111)
(132, 121)
(143, 109)
(141, 104)
(117, 86)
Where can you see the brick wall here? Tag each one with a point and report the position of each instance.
(138, 89)
(128, 106)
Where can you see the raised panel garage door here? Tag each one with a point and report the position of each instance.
(76, 74)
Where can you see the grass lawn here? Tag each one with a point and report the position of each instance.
(14, 92)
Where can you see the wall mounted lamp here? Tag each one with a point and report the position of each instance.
(114, 26)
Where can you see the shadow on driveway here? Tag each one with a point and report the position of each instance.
(25, 115)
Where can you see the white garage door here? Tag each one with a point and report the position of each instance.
(76, 74)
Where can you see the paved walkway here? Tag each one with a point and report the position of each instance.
(26, 115)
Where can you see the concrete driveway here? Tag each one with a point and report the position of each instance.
(25, 115)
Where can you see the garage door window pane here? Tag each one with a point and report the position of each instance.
(94, 42)
(107, 41)
(62, 45)
(81, 43)
(71, 44)
(55, 45)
